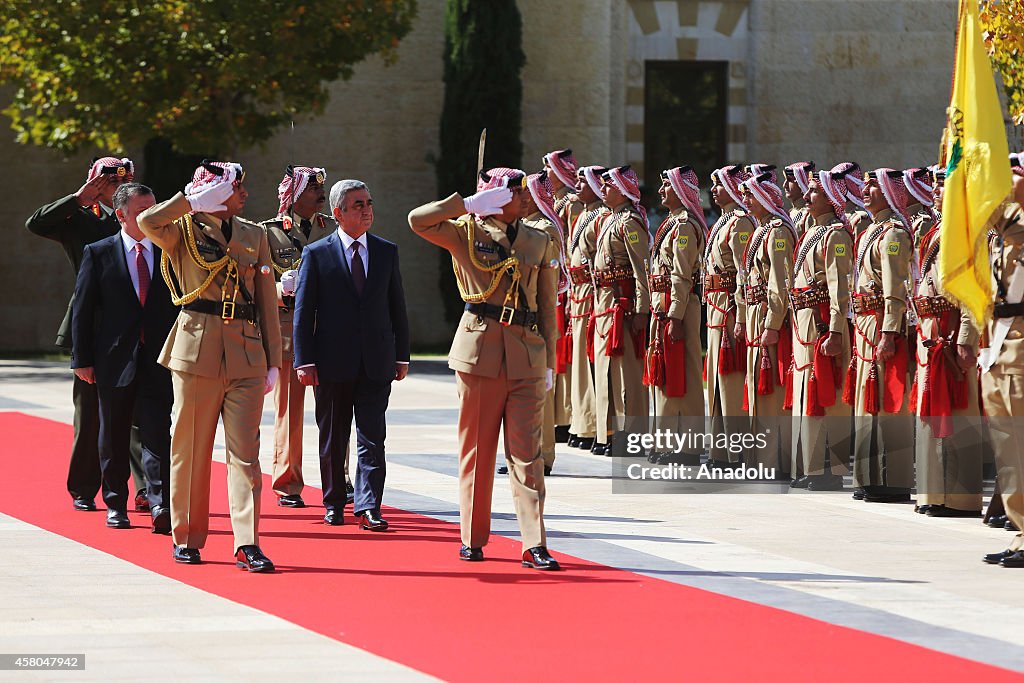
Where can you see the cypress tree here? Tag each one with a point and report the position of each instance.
(483, 57)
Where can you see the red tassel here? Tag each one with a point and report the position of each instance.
(746, 399)
(871, 391)
(895, 387)
(784, 356)
(654, 366)
(741, 354)
(639, 343)
(913, 397)
(814, 407)
(849, 385)
(726, 357)
(765, 383)
(704, 370)
(675, 366)
(787, 401)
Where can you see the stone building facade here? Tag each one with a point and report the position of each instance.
(783, 80)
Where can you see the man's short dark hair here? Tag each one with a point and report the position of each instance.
(126, 192)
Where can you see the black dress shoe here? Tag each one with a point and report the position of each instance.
(923, 509)
(562, 434)
(858, 493)
(83, 505)
(1015, 560)
(185, 555)
(471, 554)
(291, 501)
(252, 559)
(801, 483)
(372, 521)
(825, 482)
(573, 441)
(161, 521)
(886, 494)
(943, 511)
(350, 493)
(547, 470)
(141, 501)
(599, 448)
(502, 469)
(585, 443)
(116, 519)
(998, 521)
(1010, 526)
(334, 517)
(539, 558)
(996, 558)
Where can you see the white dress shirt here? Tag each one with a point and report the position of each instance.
(129, 254)
(346, 245)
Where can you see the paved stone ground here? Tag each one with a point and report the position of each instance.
(874, 567)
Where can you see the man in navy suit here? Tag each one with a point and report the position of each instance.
(351, 340)
(120, 319)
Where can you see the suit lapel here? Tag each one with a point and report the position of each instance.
(337, 252)
(377, 267)
(120, 258)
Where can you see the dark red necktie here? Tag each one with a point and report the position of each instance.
(358, 271)
(143, 269)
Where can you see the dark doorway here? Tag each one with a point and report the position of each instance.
(685, 118)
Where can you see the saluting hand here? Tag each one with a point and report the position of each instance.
(488, 202)
(211, 199)
(91, 192)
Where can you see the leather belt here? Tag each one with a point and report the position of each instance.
(227, 310)
(932, 306)
(714, 282)
(504, 314)
(1005, 310)
(809, 297)
(607, 277)
(579, 275)
(867, 304)
(758, 294)
(660, 284)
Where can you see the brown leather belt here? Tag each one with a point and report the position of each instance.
(227, 310)
(758, 294)
(660, 284)
(607, 277)
(504, 314)
(714, 282)
(932, 306)
(868, 304)
(809, 297)
(579, 275)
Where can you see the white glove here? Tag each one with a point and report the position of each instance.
(549, 379)
(211, 199)
(488, 202)
(272, 375)
(289, 279)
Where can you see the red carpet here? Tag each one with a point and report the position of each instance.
(404, 595)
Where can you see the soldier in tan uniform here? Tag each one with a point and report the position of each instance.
(883, 437)
(224, 353)
(850, 178)
(582, 242)
(944, 396)
(796, 186)
(503, 353)
(1002, 367)
(725, 362)
(922, 216)
(299, 222)
(622, 303)
(766, 275)
(673, 368)
(820, 299)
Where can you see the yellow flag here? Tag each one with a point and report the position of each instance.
(978, 177)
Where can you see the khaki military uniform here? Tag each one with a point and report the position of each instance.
(620, 272)
(860, 220)
(723, 260)
(499, 368)
(675, 269)
(801, 217)
(1002, 386)
(568, 207)
(921, 222)
(218, 366)
(768, 267)
(883, 454)
(947, 451)
(821, 299)
(580, 252)
(287, 241)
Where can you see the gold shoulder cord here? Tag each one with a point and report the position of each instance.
(187, 235)
(496, 271)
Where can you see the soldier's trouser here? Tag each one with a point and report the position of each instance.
(1003, 395)
(724, 400)
(767, 416)
(619, 389)
(883, 444)
(563, 398)
(486, 403)
(289, 402)
(581, 381)
(199, 402)
(816, 436)
(949, 469)
(547, 445)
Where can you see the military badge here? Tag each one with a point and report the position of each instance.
(840, 250)
(780, 245)
(893, 248)
(633, 237)
(683, 241)
(744, 236)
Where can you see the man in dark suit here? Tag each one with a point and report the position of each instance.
(351, 340)
(75, 221)
(121, 316)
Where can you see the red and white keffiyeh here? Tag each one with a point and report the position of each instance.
(626, 181)
(769, 195)
(499, 177)
(799, 173)
(754, 170)
(895, 193)
(204, 177)
(592, 174)
(294, 183)
(563, 164)
(918, 182)
(124, 168)
(543, 196)
(850, 174)
(835, 192)
(684, 183)
(730, 177)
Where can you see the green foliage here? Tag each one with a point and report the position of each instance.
(1003, 23)
(203, 75)
(483, 57)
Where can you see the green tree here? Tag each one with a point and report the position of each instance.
(1003, 22)
(193, 77)
(483, 57)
